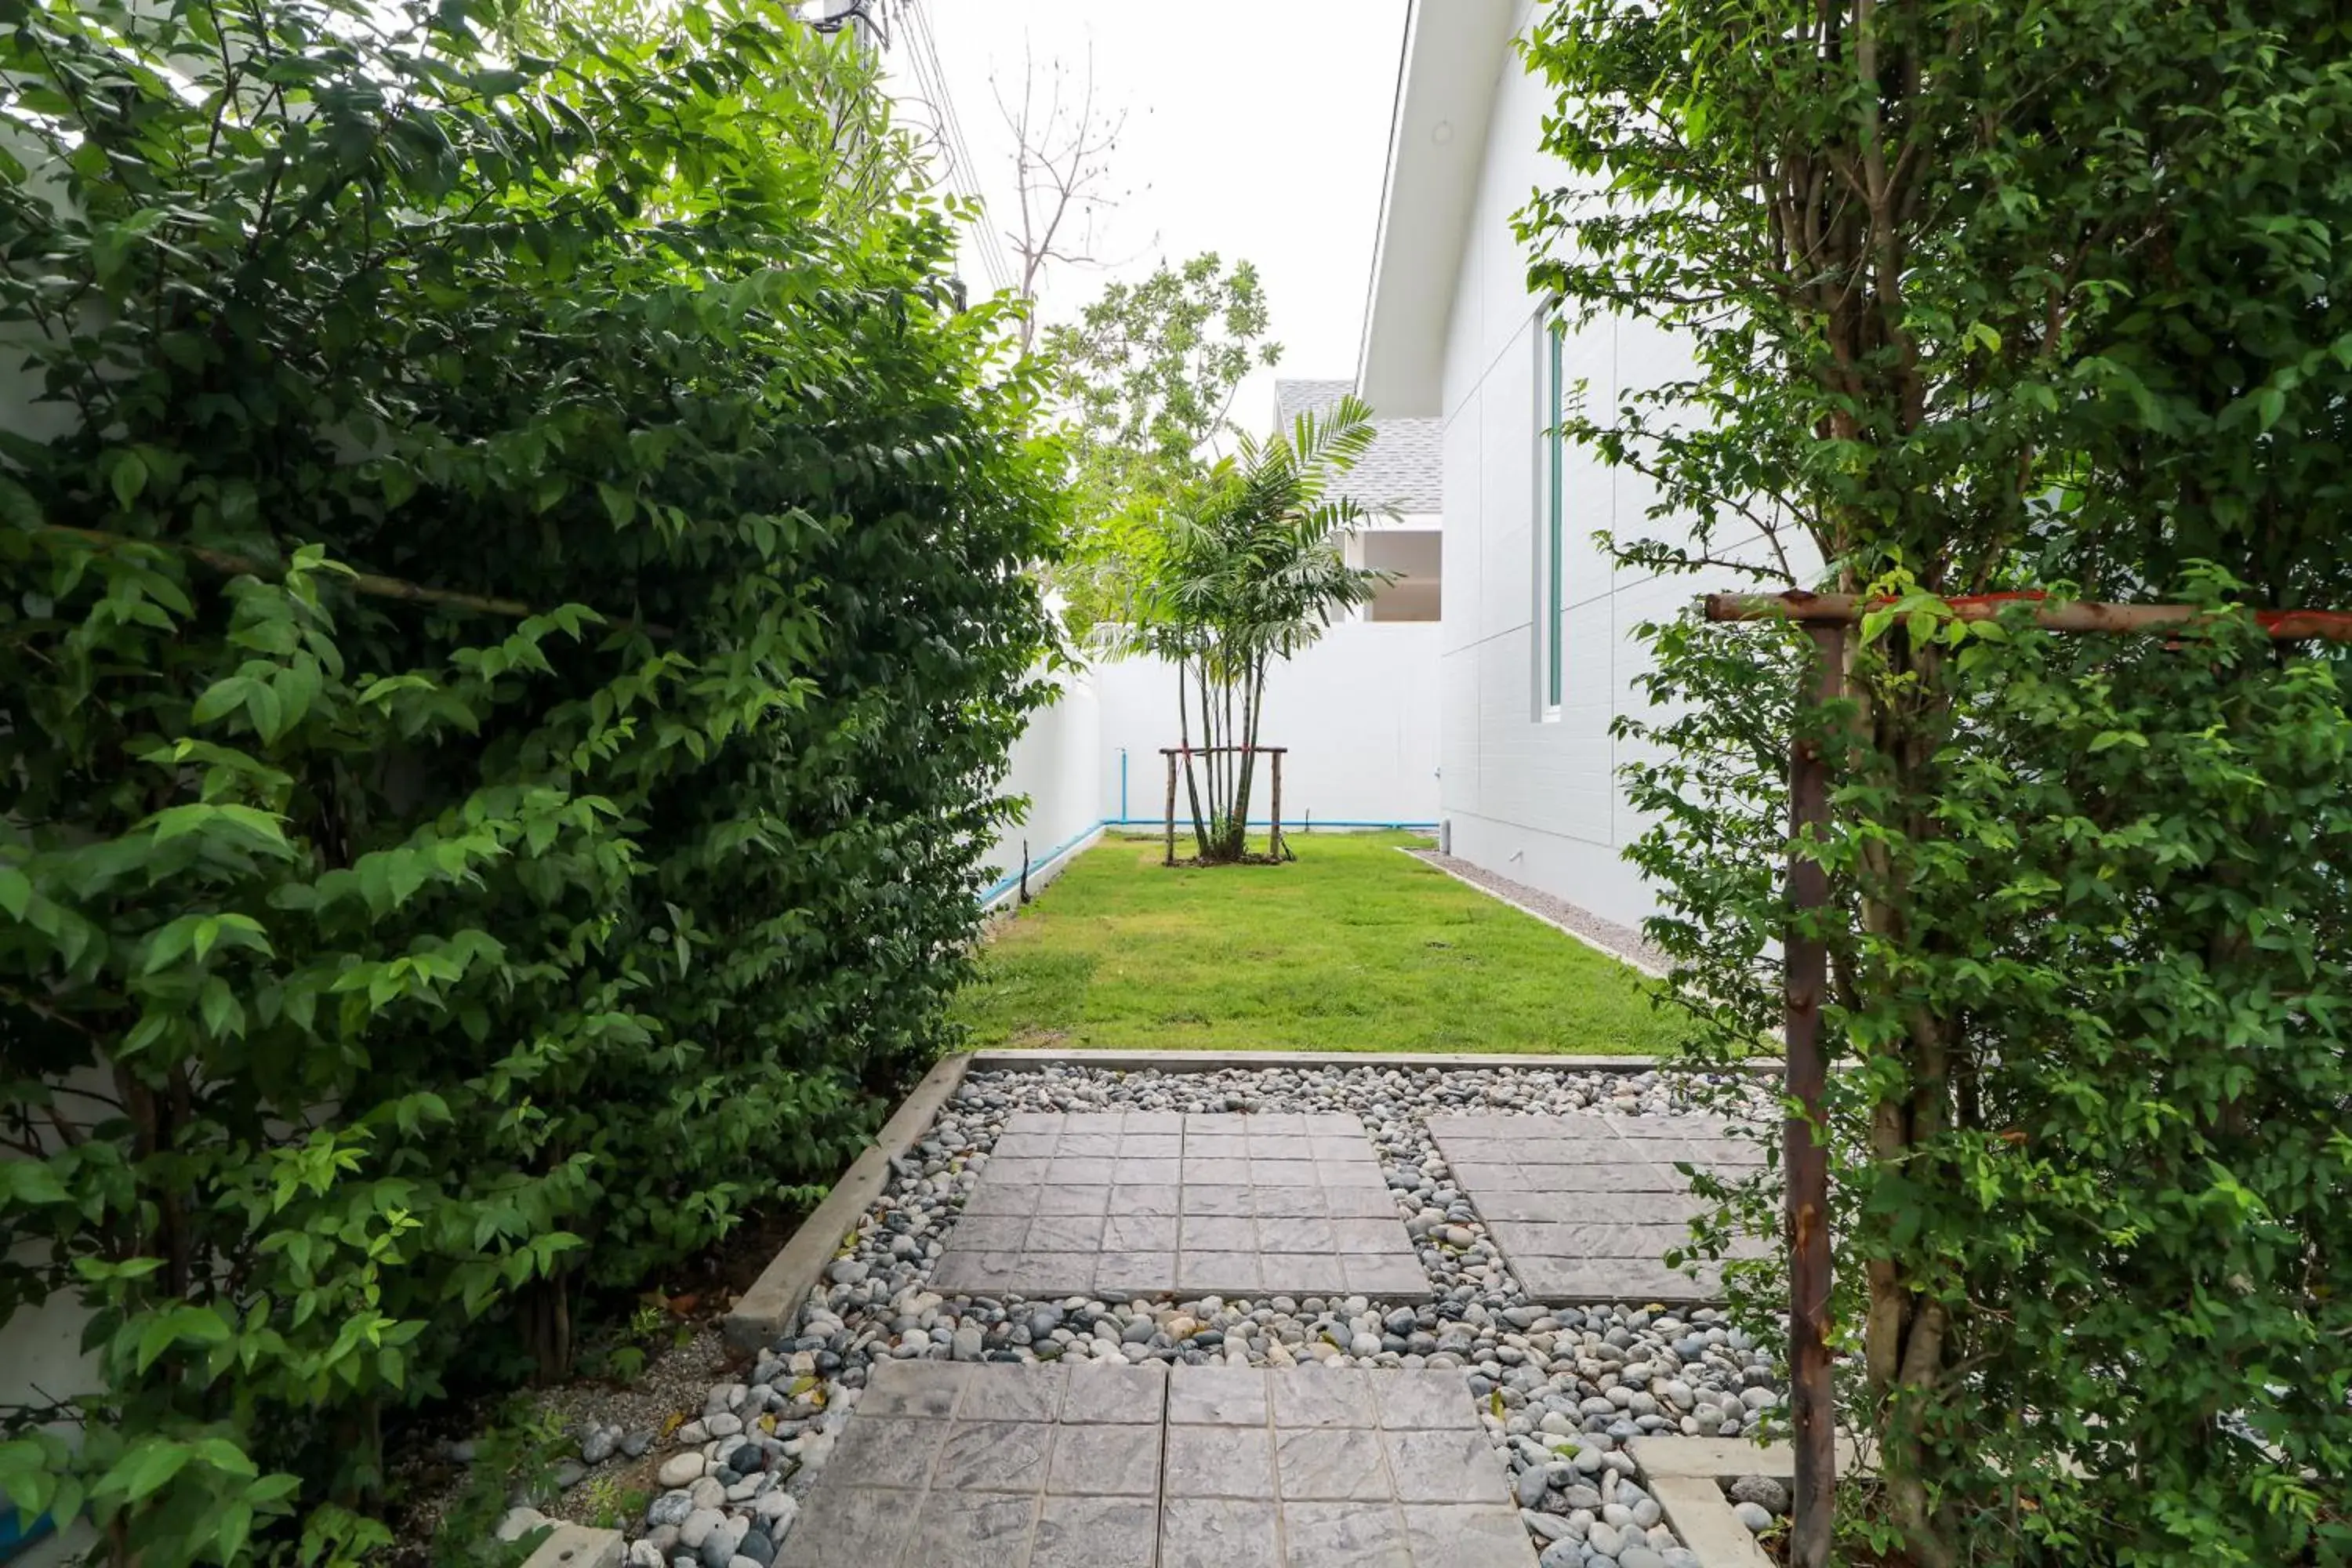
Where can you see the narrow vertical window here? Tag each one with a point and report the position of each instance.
(1554, 587)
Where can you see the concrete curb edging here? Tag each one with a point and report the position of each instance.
(763, 1313)
(1218, 1061)
(578, 1546)
(1699, 1513)
(1686, 1475)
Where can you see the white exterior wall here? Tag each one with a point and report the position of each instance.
(1054, 763)
(1357, 711)
(1532, 797)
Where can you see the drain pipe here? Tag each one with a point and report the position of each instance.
(1122, 783)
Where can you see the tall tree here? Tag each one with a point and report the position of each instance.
(1979, 298)
(1249, 569)
(1147, 375)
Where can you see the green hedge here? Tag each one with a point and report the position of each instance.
(501, 688)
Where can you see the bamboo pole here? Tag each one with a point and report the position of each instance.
(1168, 858)
(2081, 615)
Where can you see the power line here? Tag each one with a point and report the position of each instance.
(963, 168)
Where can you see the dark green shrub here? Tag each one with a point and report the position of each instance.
(383, 965)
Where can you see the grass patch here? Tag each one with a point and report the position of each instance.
(1354, 947)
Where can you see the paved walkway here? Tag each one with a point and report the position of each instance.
(1007, 1464)
(1126, 1203)
(995, 1466)
(1585, 1207)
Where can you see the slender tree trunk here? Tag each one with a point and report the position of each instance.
(1252, 702)
(1184, 740)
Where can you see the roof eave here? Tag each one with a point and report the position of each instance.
(1446, 84)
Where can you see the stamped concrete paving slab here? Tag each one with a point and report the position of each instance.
(1585, 1207)
(1006, 1466)
(1124, 1204)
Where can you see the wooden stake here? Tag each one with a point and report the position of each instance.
(1170, 857)
(1804, 1134)
(1273, 833)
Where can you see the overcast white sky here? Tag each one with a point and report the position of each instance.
(1256, 131)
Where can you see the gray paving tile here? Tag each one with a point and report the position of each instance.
(1408, 1401)
(1217, 1397)
(1152, 1199)
(1064, 1233)
(840, 1525)
(1216, 1198)
(1055, 1199)
(1218, 1274)
(889, 1451)
(1047, 1121)
(1149, 1122)
(1218, 1462)
(1344, 1535)
(1026, 1391)
(969, 1530)
(1455, 1536)
(1444, 1466)
(1139, 1233)
(1217, 1233)
(1106, 1461)
(1126, 1275)
(993, 1457)
(994, 1198)
(1331, 1464)
(990, 1232)
(1054, 1273)
(1095, 1532)
(1585, 1207)
(1322, 1396)
(920, 1388)
(1115, 1395)
(1230, 1204)
(1219, 1533)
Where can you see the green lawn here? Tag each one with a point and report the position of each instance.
(1354, 947)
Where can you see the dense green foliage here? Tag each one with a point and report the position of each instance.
(1248, 566)
(1982, 298)
(382, 966)
(1147, 377)
(1354, 947)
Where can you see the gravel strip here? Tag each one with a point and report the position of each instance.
(1561, 1386)
(1624, 941)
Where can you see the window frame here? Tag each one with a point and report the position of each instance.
(1549, 677)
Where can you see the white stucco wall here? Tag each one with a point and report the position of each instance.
(1532, 797)
(1357, 711)
(1057, 763)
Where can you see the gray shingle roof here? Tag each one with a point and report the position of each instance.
(1405, 464)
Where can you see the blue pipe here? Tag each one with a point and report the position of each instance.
(1011, 879)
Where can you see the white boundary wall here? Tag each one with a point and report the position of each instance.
(1357, 711)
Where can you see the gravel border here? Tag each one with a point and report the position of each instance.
(1622, 942)
(1563, 1388)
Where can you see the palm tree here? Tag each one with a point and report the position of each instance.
(1253, 570)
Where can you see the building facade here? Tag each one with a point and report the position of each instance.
(1538, 651)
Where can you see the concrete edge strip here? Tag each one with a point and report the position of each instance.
(766, 1310)
(1701, 1515)
(1637, 966)
(578, 1546)
(1005, 1057)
